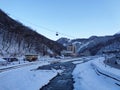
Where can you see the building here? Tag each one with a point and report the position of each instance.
(31, 57)
(10, 59)
(71, 50)
(66, 53)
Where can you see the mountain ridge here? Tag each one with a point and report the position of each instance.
(19, 39)
(95, 44)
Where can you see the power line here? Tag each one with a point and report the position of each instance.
(45, 28)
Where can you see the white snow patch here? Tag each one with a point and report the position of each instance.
(86, 78)
(2, 60)
(77, 62)
(25, 78)
(23, 64)
(105, 69)
(84, 45)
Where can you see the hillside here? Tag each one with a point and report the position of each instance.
(96, 44)
(18, 39)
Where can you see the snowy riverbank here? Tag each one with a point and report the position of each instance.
(86, 78)
(111, 72)
(26, 78)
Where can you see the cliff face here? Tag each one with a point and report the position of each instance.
(17, 39)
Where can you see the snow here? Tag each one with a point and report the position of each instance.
(117, 33)
(69, 59)
(105, 69)
(26, 78)
(86, 78)
(22, 64)
(2, 60)
(77, 62)
(76, 42)
(84, 45)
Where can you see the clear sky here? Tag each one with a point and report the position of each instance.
(72, 18)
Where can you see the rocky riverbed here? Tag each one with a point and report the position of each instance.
(62, 81)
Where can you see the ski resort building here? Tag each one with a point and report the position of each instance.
(71, 50)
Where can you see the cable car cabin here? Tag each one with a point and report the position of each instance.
(57, 34)
(31, 58)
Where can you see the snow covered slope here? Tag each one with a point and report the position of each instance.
(16, 39)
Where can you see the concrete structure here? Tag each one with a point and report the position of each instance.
(71, 50)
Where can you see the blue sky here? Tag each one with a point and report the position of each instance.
(71, 18)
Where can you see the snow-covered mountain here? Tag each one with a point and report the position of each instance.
(17, 39)
(96, 45)
(64, 41)
(93, 45)
(67, 41)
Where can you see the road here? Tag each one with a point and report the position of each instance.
(7, 68)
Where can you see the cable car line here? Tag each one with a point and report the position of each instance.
(45, 28)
